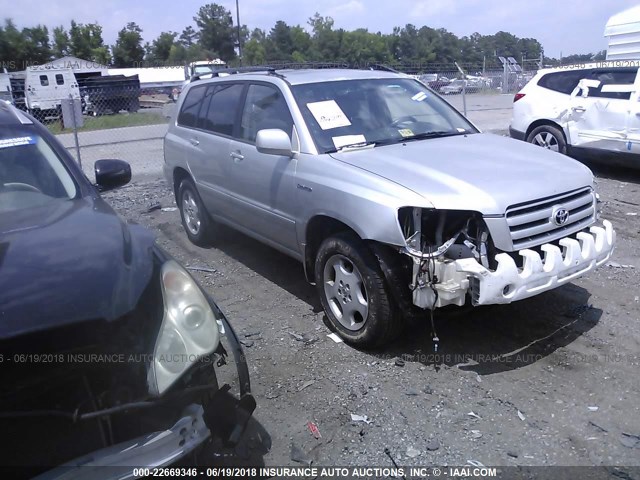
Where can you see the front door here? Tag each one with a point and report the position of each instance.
(264, 184)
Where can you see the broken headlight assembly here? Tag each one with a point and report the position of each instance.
(451, 234)
(434, 240)
(189, 329)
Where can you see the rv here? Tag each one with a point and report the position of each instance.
(40, 89)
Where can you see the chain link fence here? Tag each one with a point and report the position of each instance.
(119, 118)
(122, 121)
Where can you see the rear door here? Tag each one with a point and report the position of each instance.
(603, 119)
(216, 125)
(38, 90)
(263, 184)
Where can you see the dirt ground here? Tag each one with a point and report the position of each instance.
(552, 380)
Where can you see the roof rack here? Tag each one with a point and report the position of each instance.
(272, 68)
(382, 67)
(235, 70)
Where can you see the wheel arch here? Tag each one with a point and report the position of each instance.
(319, 228)
(542, 122)
(179, 174)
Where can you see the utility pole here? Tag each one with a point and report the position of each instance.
(238, 22)
(541, 59)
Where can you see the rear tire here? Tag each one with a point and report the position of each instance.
(353, 292)
(195, 218)
(549, 137)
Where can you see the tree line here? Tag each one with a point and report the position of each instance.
(214, 35)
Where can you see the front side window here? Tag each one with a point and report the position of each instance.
(44, 80)
(31, 173)
(265, 107)
(223, 100)
(59, 79)
(379, 111)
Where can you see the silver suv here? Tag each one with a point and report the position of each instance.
(394, 203)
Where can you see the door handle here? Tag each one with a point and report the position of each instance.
(194, 141)
(237, 156)
(578, 109)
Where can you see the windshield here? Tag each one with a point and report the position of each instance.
(31, 173)
(376, 111)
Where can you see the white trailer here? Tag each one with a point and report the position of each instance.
(46, 86)
(153, 78)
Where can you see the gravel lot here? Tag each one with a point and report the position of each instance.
(551, 380)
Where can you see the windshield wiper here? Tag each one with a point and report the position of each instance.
(351, 146)
(436, 134)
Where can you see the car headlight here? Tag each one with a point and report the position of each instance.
(189, 329)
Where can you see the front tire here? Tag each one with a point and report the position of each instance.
(353, 292)
(548, 137)
(195, 219)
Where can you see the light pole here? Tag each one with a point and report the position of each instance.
(238, 22)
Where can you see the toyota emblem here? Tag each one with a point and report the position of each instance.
(560, 215)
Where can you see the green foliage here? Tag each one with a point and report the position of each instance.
(86, 42)
(61, 44)
(217, 33)
(160, 49)
(188, 36)
(128, 50)
(216, 36)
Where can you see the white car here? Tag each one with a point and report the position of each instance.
(586, 109)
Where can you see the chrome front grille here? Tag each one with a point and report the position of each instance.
(532, 224)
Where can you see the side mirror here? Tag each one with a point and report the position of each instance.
(112, 174)
(274, 141)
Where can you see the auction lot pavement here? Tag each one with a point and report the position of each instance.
(552, 380)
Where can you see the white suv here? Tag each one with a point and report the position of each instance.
(581, 109)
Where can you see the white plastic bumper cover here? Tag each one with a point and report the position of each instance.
(509, 283)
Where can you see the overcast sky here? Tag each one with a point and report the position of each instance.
(568, 26)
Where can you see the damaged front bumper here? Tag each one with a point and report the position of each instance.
(130, 459)
(222, 415)
(508, 282)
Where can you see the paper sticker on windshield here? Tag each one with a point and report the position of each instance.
(16, 142)
(406, 132)
(328, 114)
(420, 96)
(343, 140)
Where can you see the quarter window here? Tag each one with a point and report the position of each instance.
(191, 106)
(563, 82)
(265, 107)
(44, 80)
(59, 79)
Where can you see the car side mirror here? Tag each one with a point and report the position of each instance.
(112, 174)
(274, 141)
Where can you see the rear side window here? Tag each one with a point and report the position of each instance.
(223, 103)
(59, 79)
(44, 80)
(265, 107)
(613, 78)
(191, 106)
(563, 82)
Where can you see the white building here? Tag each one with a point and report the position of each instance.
(623, 33)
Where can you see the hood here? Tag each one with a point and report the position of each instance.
(480, 172)
(67, 262)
